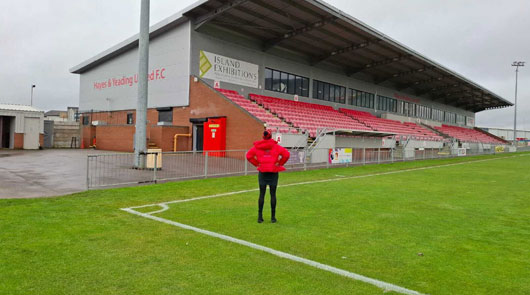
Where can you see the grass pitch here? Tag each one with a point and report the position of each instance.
(449, 230)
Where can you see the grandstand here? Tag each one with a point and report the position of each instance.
(303, 69)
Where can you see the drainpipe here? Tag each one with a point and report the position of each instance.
(175, 140)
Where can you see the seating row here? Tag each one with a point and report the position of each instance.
(308, 116)
(257, 111)
(406, 129)
(467, 134)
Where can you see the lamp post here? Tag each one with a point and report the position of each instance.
(516, 64)
(140, 146)
(32, 87)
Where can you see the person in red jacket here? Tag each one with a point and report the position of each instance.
(269, 157)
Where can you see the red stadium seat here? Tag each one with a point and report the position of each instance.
(272, 121)
(467, 135)
(384, 125)
(308, 116)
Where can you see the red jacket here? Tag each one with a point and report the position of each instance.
(268, 156)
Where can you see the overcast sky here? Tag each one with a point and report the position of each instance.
(41, 40)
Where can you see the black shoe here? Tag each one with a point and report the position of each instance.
(260, 219)
(273, 220)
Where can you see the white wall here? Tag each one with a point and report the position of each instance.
(18, 124)
(169, 69)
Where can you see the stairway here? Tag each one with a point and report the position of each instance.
(436, 131)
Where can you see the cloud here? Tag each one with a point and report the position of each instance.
(41, 40)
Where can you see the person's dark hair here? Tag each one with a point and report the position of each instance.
(267, 134)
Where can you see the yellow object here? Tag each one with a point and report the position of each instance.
(153, 154)
(499, 149)
(175, 139)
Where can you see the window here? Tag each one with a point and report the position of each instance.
(409, 109)
(386, 104)
(329, 92)
(362, 99)
(130, 120)
(286, 83)
(165, 115)
(291, 85)
(268, 79)
(437, 115)
(461, 120)
(450, 118)
(423, 112)
(326, 91)
(86, 120)
(276, 81)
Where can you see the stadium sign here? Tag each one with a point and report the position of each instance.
(225, 69)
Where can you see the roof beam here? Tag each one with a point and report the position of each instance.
(203, 19)
(299, 20)
(403, 74)
(421, 82)
(240, 28)
(447, 96)
(379, 63)
(351, 48)
(434, 89)
(299, 31)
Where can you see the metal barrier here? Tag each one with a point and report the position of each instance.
(116, 170)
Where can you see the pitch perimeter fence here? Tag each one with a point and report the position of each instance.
(117, 170)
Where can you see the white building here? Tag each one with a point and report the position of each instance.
(21, 127)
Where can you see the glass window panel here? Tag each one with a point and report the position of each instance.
(326, 91)
(268, 79)
(331, 92)
(165, 116)
(291, 87)
(299, 85)
(305, 87)
(320, 90)
(275, 81)
(284, 82)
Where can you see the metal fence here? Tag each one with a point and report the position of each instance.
(115, 170)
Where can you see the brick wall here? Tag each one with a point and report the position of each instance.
(242, 128)
(163, 137)
(115, 138)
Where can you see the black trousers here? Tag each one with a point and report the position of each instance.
(270, 179)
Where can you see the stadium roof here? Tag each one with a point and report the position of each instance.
(323, 34)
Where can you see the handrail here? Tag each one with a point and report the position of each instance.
(175, 139)
(302, 143)
(317, 141)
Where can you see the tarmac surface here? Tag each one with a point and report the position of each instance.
(44, 173)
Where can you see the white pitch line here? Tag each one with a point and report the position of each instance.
(374, 282)
(383, 285)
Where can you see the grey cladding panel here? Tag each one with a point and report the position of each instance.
(113, 85)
